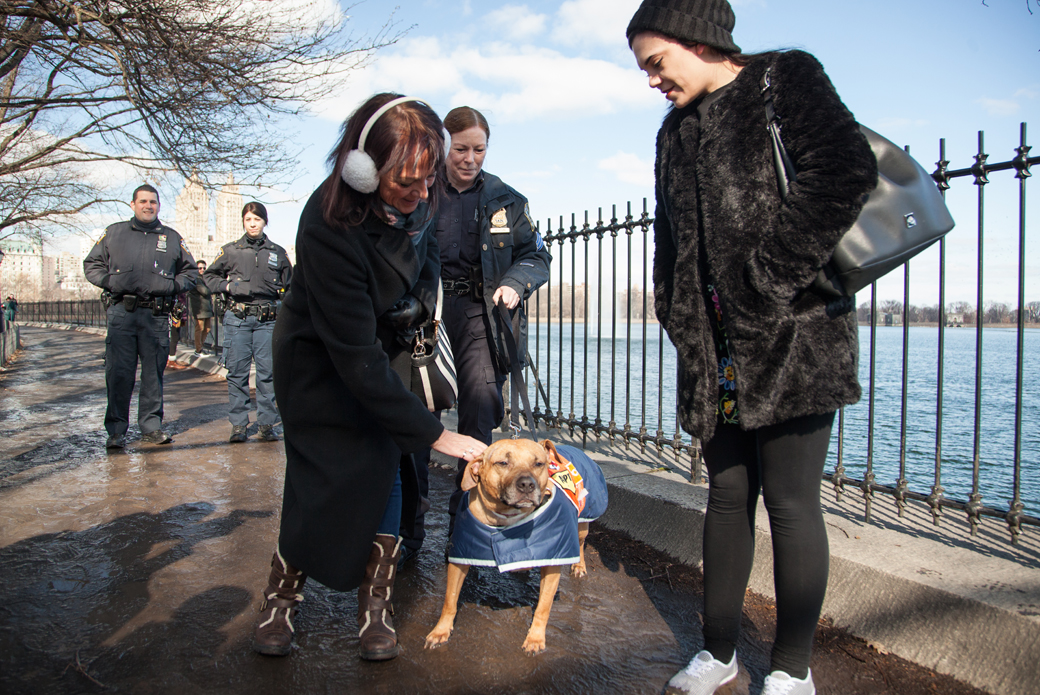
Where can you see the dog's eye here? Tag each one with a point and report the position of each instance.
(539, 464)
(501, 462)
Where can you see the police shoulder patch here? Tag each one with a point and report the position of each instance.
(527, 214)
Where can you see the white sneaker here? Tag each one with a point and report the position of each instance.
(703, 676)
(780, 683)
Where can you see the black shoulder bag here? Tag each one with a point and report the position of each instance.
(434, 379)
(902, 217)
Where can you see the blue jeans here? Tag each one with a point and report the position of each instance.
(391, 523)
(248, 340)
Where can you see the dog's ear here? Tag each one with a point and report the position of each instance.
(472, 473)
(550, 449)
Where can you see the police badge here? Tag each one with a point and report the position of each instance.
(499, 222)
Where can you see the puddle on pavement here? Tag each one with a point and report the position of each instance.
(147, 566)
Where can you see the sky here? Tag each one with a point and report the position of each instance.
(573, 121)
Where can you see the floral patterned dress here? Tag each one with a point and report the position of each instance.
(727, 406)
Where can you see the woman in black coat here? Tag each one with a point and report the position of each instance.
(367, 273)
(764, 360)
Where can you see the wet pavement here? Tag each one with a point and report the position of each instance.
(140, 572)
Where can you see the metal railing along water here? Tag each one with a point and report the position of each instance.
(554, 312)
(632, 393)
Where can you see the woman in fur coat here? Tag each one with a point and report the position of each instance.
(764, 360)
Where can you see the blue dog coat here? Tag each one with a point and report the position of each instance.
(549, 536)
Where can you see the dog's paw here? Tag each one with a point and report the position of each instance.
(534, 645)
(436, 638)
(578, 569)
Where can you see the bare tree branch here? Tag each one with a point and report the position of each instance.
(185, 86)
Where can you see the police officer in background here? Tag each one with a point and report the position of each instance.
(491, 254)
(255, 272)
(142, 265)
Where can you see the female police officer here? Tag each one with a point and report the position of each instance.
(490, 254)
(255, 272)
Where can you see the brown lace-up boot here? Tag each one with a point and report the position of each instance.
(274, 633)
(378, 640)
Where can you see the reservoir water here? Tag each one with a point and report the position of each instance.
(586, 378)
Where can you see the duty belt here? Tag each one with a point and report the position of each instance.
(264, 312)
(459, 287)
(132, 302)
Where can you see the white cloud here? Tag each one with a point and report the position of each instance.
(629, 168)
(601, 22)
(999, 107)
(516, 84)
(516, 21)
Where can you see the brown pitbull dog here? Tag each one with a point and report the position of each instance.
(508, 482)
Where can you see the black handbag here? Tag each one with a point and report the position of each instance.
(434, 379)
(902, 217)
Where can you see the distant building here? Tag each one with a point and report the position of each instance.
(21, 273)
(192, 217)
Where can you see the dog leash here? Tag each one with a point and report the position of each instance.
(519, 389)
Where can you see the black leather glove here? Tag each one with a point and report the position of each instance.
(238, 289)
(407, 313)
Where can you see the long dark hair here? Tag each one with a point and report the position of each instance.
(409, 133)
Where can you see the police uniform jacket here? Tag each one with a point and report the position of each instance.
(512, 253)
(348, 417)
(247, 271)
(130, 258)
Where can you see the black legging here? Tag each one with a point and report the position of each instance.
(784, 461)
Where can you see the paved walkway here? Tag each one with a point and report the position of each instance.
(139, 571)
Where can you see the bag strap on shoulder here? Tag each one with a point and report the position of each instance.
(785, 171)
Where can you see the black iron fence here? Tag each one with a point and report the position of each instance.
(606, 370)
(85, 312)
(90, 312)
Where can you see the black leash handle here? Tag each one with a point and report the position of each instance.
(519, 387)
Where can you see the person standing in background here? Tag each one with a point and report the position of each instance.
(10, 308)
(178, 320)
(200, 302)
(141, 265)
(254, 272)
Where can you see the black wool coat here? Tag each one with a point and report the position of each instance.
(720, 220)
(348, 418)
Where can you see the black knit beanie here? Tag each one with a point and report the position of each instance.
(689, 21)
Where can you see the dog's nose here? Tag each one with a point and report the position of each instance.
(526, 485)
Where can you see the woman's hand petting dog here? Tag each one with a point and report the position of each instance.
(459, 445)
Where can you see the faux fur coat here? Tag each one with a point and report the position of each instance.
(720, 220)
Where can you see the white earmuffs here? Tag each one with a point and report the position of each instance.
(359, 169)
